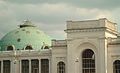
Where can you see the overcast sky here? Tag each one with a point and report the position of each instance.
(51, 15)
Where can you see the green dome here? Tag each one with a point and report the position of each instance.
(26, 35)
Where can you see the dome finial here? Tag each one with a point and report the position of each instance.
(27, 23)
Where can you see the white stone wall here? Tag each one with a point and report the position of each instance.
(59, 53)
(92, 34)
(89, 35)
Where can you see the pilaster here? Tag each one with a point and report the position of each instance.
(29, 65)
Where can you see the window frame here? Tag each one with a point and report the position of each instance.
(61, 67)
(88, 61)
(116, 66)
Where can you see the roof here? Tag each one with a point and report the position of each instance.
(27, 34)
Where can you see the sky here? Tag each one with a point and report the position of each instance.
(51, 15)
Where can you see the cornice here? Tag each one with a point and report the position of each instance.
(91, 30)
(25, 54)
(114, 43)
(59, 46)
(85, 30)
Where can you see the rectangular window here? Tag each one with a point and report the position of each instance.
(6, 66)
(25, 66)
(35, 66)
(0, 66)
(44, 66)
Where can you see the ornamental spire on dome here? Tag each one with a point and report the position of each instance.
(27, 23)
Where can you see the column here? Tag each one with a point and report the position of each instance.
(12, 70)
(39, 65)
(1, 66)
(49, 65)
(20, 66)
(29, 65)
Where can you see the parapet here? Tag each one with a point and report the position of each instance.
(59, 43)
(100, 23)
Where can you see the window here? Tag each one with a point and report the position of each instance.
(6, 66)
(25, 66)
(10, 48)
(116, 66)
(88, 61)
(46, 47)
(0, 66)
(44, 66)
(29, 47)
(61, 67)
(35, 66)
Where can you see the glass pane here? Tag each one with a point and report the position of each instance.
(44, 66)
(0, 66)
(61, 67)
(6, 66)
(88, 61)
(116, 66)
(35, 66)
(25, 66)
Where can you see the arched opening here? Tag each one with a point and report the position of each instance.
(29, 47)
(116, 66)
(10, 48)
(46, 47)
(61, 67)
(88, 61)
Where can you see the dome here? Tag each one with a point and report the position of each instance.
(26, 35)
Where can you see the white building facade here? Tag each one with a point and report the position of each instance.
(91, 46)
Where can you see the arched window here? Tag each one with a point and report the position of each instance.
(10, 48)
(29, 47)
(46, 47)
(88, 61)
(61, 67)
(116, 66)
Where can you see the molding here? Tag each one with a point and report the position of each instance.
(59, 46)
(25, 53)
(114, 43)
(85, 30)
(91, 30)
